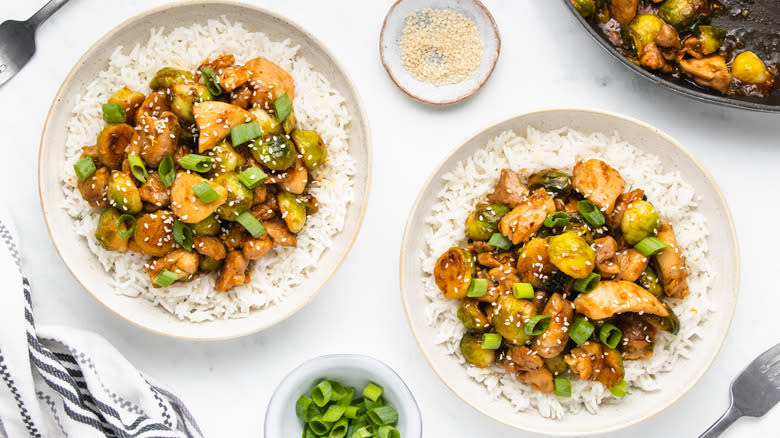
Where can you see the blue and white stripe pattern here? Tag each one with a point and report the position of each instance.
(59, 381)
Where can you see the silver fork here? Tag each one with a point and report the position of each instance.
(753, 393)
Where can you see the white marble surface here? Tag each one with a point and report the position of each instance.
(228, 384)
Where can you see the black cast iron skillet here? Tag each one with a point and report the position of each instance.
(760, 31)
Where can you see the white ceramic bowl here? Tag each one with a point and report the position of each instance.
(73, 248)
(722, 257)
(390, 50)
(350, 370)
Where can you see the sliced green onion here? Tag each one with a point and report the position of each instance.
(165, 278)
(491, 341)
(368, 404)
(477, 288)
(580, 330)
(305, 409)
(318, 426)
(252, 177)
(523, 291)
(387, 432)
(137, 167)
(536, 325)
(255, 228)
(128, 232)
(610, 335)
(339, 429)
(182, 234)
(557, 219)
(619, 390)
(166, 171)
(351, 412)
(114, 113)
(383, 415)
(373, 391)
(322, 393)
(363, 432)
(84, 167)
(650, 246)
(587, 284)
(339, 392)
(562, 387)
(591, 213)
(196, 163)
(205, 192)
(282, 107)
(308, 433)
(498, 240)
(346, 399)
(333, 414)
(245, 132)
(212, 83)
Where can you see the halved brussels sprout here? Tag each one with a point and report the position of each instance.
(268, 122)
(167, 76)
(289, 123)
(107, 232)
(556, 364)
(208, 264)
(644, 29)
(129, 99)
(471, 348)
(555, 182)
(184, 96)
(112, 142)
(747, 67)
(710, 39)
(578, 225)
(123, 194)
(683, 14)
(472, 316)
(509, 318)
(453, 272)
(275, 151)
(649, 280)
(571, 254)
(225, 159)
(154, 233)
(612, 371)
(239, 198)
(483, 222)
(293, 211)
(639, 221)
(586, 8)
(310, 147)
(669, 323)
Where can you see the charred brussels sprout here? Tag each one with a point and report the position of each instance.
(643, 30)
(668, 323)
(509, 318)
(483, 222)
(239, 198)
(123, 194)
(184, 96)
(129, 99)
(639, 221)
(112, 142)
(710, 39)
(289, 123)
(275, 152)
(472, 316)
(206, 227)
(586, 8)
(107, 232)
(555, 182)
(208, 264)
(453, 272)
(293, 211)
(578, 225)
(649, 280)
(225, 159)
(571, 254)
(167, 76)
(556, 364)
(154, 233)
(471, 348)
(310, 147)
(683, 14)
(267, 122)
(747, 67)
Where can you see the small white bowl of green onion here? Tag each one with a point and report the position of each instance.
(343, 396)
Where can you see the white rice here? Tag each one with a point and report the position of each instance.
(317, 106)
(675, 200)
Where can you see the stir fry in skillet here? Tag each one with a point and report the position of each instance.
(564, 276)
(205, 174)
(675, 37)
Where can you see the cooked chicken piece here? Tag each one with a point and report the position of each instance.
(524, 358)
(156, 137)
(233, 77)
(187, 205)
(586, 360)
(599, 182)
(509, 190)
(526, 219)
(529, 368)
(219, 63)
(670, 264)
(611, 297)
(540, 300)
(621, 204)
(265, 210)
(623, 10)
(254, 249)
(540, 380)
(297, 178)
(234, 272)
(154, 192)
(90, 151)
(711, 71)
(668, 37)
(533, 263)
(279, 233)
(632, 264)
(181, 262)
(94, 188)
(653, 59)
(553, 340)
(269, 82)
(259, 194)
(488, 259)
(241, 96)
(611, 372)
(234, 235)
(505, 275)
(638, 337)
(209, 246)
(154, 105)
(606, 264)
(215, 119)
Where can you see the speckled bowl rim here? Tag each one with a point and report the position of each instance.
(729, 313)
(459, 98)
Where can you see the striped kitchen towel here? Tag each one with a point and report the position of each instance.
(63, 382)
